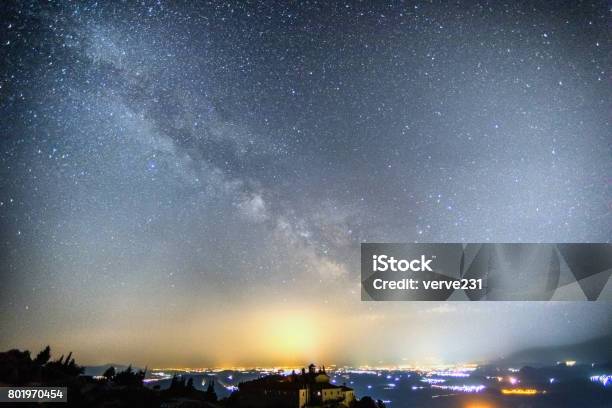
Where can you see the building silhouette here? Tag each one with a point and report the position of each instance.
(310, 388)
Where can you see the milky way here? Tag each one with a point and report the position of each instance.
(178, 178)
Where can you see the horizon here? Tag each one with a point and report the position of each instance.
(399, 365)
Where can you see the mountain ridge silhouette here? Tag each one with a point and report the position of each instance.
(594, 350)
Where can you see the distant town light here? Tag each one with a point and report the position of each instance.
(605, 380)
(433, 380)
(460, 388)
(519, 391)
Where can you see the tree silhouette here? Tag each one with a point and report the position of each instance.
(62, 368)
(129, 377)
(177, 384)
(109, 373)
(211, 395)
(17, 367)
(189, 385)
(43, 356)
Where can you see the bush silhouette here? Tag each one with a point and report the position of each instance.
(129, 377)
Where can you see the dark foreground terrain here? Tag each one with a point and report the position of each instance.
(561, 385)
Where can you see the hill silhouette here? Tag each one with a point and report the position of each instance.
(596, 349)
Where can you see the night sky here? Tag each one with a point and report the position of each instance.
(189, 184)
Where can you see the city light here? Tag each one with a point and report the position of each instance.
(519, 391)
(605, 380)
(433, 380)
(460, 388)
(460, 374)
